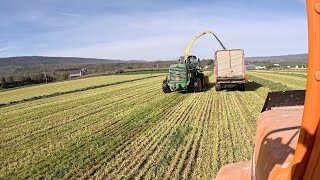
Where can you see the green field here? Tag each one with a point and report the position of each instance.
(125, 127)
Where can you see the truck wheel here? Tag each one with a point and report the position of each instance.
(218, 87)
(241, 87)
(165, 87)
(197, 87)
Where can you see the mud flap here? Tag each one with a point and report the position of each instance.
(284, 98)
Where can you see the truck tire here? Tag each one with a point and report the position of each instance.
(165, 87)
(218, 87)
(197, 87)
(241, 87)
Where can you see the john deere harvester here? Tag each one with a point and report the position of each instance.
(185, 76)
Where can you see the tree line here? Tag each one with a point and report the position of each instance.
(11, 82)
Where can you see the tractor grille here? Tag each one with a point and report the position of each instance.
(178, 74)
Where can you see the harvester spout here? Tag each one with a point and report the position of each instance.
(186, 53)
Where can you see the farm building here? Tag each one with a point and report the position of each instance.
(78, 73)
(119, 71)
(261, 67)
(250, 67)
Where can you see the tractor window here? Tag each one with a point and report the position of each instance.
(192, 59)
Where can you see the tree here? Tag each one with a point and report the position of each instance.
(11, 80)
(3, 82)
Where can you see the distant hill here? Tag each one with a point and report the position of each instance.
(43, 60)
(294, 57)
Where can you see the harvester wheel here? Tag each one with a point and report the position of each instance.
(218, 87)
(165, 87)
(197, 87)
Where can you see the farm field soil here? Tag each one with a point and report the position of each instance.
(133, 130)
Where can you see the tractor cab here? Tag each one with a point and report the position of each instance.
(190, 60)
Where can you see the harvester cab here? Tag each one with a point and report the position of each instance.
(184, 76)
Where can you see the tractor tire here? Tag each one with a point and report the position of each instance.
(165, 87)
(241, 87)
(218, 87)
(197, 86)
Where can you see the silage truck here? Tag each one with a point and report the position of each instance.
(230, 70)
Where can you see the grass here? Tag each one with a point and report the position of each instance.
(161, 71)
(30, 92)
(131, 129)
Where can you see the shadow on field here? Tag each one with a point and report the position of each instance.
(204, 89)
(250, 86)
(253, 86)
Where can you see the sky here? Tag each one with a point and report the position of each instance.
(150, 29)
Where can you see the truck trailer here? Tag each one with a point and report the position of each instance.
(230, 70)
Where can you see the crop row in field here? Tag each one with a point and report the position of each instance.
(290, 81)
(28, 93)
(131, 130)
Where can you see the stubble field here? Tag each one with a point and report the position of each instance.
(124, 126)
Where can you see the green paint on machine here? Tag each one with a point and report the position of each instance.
(184, 77)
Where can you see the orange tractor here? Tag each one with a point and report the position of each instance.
(287, 142)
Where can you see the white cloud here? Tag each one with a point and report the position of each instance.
(69, 14)
(165, 35)
(4, 48)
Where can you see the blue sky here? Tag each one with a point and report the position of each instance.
(150, 29)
